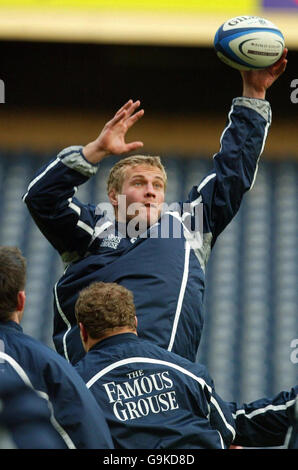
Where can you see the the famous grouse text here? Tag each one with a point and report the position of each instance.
(141, 395)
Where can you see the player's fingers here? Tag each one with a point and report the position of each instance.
(125, 106)
(282, 61)
(279, 67)
(134, 118)
(127, 110)
(285, 52)
(134, 146)
(133, 106)
(283, 66)
(117, 118)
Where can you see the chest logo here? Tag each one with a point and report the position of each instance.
(111, 241)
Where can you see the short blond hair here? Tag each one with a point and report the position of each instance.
(117, 172)
(102, 306)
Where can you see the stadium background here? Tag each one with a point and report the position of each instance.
(67, 66)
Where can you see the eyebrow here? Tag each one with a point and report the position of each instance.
(142, 176)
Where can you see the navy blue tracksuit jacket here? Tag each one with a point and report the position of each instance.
(25, 417)
(165, 273)
(155, 399)
(74, 413)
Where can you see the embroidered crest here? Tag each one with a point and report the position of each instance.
(111, 241)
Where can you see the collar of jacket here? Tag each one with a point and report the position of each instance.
(11, 325)
(115, 339)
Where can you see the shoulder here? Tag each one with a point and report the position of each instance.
(36, 347)
(44, 356)
(153, 353)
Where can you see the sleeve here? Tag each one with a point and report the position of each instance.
(64, 220)
(221, 418)
(219, 413)
(234, 166)
(264, 422)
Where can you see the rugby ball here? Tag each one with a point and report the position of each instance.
(249, 42)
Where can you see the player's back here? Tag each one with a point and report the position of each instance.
(151, 398)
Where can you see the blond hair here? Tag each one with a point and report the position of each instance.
(117, 172)
(105, 306)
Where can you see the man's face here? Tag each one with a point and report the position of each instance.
(144, 191)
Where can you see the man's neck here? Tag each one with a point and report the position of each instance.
(115, 331)
(15, 317)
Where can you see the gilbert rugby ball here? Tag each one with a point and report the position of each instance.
(249, 42)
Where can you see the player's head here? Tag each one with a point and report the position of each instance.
(12, 283)
(104, 309)
(142, 181)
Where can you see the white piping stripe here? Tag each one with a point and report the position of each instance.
(63, 316)
(196, 202)
(221, 440)
(74, 207)
(183, 283)
(17, 368)
(55, 423)
(263, 145)
(22, 374)
(225, 129)
(59, 429)
(178, 217)
(147, 360)
(51, 165)
(228, 426)
(102, 228)
(200, 187)
(181, 296)
(174, 214)
(288, 436)
(262, 148)
(205, 181)
(264, 410)
(85, 227)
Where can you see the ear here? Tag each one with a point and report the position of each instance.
(21, 301)
(113, 197)
(83, 333)
(136, 322)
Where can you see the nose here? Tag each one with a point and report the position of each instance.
(150, 191)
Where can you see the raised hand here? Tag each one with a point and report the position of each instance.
(111, 140)
(256, 82)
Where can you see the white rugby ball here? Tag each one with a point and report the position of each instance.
(249, 42)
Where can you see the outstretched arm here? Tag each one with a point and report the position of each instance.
(111, 140)
(241, 145)
(66, 222)
(264, 422)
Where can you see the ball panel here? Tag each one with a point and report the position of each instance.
(230, 62)
(247, 22)
(259, 51)
(229, 52)
(220, 33)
